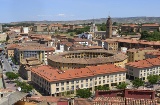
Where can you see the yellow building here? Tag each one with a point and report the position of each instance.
(111, 45)
(57, 82)
(80, 59)
(10, 50)
(138, 54)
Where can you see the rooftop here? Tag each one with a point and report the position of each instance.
(52, 75)
(112, 57)
(145, 63)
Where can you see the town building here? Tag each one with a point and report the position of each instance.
(55, 82)
(93, 27)
(35, 50)
(83, 58)
(143, 68)
(3, 37)
(129, 28)
(110, 45)
(10, 50)
(25, 66)
(85, 36)
(138, 54)
(153, 54)
(85, 42)
(150, 27)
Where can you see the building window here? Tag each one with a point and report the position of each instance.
(62, 88)
(57, 89)
(72, 87)
(90, 79)
(77, 87)
(67, 88)
(99, 82)
(72, 82)
(81, 85)
(103, 81)
(62, 83)
(86, 80)
(57, 84)
(86, 84)
(77, 81)
(67, 82)
(103, 77)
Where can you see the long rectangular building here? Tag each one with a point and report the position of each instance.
(55, 82)
(143, 68)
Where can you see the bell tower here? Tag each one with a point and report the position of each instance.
(109, 28)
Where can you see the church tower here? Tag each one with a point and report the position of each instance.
(109, 28)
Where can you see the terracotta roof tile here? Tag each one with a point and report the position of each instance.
(52, 75)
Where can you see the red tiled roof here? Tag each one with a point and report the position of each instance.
(150, 25)
(52, 74)
(145, 63)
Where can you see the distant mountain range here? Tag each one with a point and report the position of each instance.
(102, 20)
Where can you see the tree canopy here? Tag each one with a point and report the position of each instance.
(153, 79)
(24, 86)
(11, 75)
(83, 93)
(150, 36)
(101, 27)
(102, 88)
(123, 85)
(138, 82)
(79, 30)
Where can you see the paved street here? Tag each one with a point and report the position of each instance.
(6, 65)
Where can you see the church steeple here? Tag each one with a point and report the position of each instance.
(109, 27)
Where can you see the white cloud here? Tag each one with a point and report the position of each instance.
(61, 15)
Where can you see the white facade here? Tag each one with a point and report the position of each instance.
(123, 49)
(142, 72)
(93, 28)
(143, 68)
(25, 30)
(85, 36)
(61, 47)
(82, 83)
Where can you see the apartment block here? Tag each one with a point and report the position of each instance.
(138, 54)
(55, 82)
(143, 68)
(39, 52)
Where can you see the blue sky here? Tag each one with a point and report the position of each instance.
(58, 10)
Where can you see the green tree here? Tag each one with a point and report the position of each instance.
(153, 79)
(123, 85)
(24, 86)
(150, 36)
(11, 75)
(115, 23)
(138, 82)
(102, 88)
(83, 93)
(71, 34)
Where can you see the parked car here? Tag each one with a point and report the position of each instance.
(4, 69)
